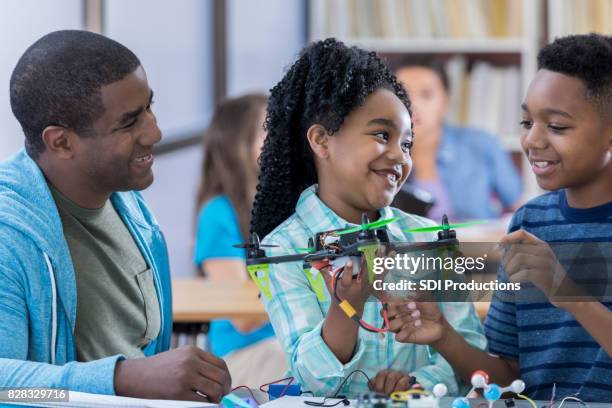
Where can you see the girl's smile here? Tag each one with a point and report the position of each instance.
(391, 176)
(363, 165)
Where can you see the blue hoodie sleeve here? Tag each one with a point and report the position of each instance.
(96, 377)
(21, 341)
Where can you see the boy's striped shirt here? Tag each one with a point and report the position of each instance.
(551, 346)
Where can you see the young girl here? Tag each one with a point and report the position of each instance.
(232, 144)
(338, 145)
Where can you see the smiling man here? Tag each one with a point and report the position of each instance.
(85, 300)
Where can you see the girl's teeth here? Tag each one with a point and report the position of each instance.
(541, 164)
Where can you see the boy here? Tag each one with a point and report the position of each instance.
(556, 347)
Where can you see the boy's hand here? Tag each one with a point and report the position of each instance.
(416, 322)
(389, 381)
(175, 374)
(529, 259)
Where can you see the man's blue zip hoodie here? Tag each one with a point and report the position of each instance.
(38, 298)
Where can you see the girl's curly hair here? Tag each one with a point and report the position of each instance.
(326, 83)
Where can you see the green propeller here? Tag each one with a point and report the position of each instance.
(307, 250)
(445, 227)
(368, 226)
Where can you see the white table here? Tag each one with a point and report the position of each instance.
(298, 402)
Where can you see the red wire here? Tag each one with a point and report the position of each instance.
(361, 321)
(333, 282)
(370, 327)
(386, 318)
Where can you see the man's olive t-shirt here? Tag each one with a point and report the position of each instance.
(117, 306)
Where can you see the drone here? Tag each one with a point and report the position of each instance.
(333, 249)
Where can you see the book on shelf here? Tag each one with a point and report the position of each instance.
(580, 17)
(397, 19)
(488, 97)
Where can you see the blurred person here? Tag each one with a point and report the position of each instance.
(85, 300)
(232, 144)
(463, 168)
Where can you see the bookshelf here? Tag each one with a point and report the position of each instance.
(578, 17)
(439, 45)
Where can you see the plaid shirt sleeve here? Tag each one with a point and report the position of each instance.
(297, 318)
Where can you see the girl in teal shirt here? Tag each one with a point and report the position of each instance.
(231, 146)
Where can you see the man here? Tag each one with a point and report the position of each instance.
(85, 300)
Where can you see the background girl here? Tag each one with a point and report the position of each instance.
(232, 144)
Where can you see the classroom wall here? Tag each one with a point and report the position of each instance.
(21, 23)
(174, 41)
(256, 59)
(255, 62)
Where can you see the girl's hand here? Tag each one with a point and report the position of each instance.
(529, 259)
(416, 322)
(389, 381)
(354, 290)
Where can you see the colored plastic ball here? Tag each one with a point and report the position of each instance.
(461, 403)
(479, 379)
(439, 390)
(517, 386)
(492, 392)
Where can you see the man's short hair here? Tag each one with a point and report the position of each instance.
(57, 81)
(587, 57)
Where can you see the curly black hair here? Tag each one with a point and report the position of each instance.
(587, 57)
(326, 83)
(57, 81)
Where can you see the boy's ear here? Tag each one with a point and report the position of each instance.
(318, 139)
(59, 141)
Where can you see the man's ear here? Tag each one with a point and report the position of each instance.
(318, 139)
(59, 141)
